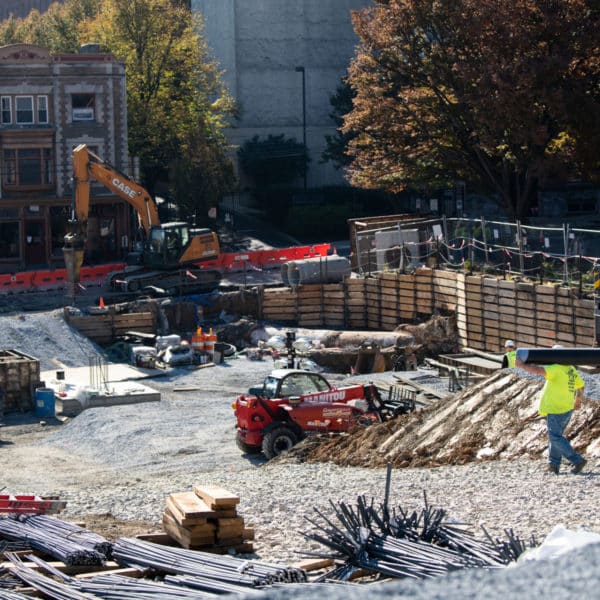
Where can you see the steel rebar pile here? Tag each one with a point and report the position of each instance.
(396, 543)
(58, 546)
(132, 552)
(4, 595)
(119, 587)
(49, 587)
(84, 537)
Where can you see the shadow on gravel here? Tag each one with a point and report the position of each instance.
(255, 459)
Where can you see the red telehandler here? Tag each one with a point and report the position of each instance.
(292, 403)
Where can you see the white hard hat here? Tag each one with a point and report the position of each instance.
(558, 347)
(509, 344)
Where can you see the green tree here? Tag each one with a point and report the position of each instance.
(58, 29)
(502, 95)
(274, 161)
(175, 95)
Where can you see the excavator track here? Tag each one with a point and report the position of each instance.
(173, 283)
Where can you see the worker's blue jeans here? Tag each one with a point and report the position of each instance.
(559, 444)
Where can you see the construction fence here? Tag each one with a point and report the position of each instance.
(565, 254)
(488, 309)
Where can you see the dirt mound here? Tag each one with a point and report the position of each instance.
(490, 420)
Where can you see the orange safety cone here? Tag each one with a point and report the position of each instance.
(101, 302)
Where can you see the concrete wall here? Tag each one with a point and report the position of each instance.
(259, 43)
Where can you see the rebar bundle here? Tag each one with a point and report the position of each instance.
(120, 587)
(57, 545)
(51, 588)
(84, 537)
(132, 552)
(5, 595)
(396, 543)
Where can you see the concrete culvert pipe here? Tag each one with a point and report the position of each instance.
(325, 269)
(285, 269)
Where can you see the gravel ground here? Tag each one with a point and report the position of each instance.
(125, 460)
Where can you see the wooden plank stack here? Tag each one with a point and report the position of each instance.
(356, 303)
(206, 519)
(489, 310)
(105, 328)
(279, 304)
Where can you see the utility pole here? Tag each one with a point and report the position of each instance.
(303, 71)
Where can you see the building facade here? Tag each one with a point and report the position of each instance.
(278, 57)
(49, 104)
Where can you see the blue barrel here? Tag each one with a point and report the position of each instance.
(44, 402)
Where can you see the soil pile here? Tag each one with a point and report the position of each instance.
(494, 419)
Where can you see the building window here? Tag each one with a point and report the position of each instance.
(82, 106)
(9, 240)
(24, 110)
(5, 108)
(28, 167)
(42, 109)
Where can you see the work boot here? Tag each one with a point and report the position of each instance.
(579, 466)
(553, 469)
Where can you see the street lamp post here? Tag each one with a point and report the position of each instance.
(301, 70)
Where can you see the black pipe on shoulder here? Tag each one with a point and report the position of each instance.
(562, 356)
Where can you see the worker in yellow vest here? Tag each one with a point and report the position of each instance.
(561, 395)
(508, 360)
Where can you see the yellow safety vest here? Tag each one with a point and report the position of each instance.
(510, 357)
(558, 395)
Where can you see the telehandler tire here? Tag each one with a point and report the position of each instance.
(280, 440)
(247, 448)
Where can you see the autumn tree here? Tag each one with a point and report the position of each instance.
(503, 95)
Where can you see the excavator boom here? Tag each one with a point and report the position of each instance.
(166, 246)
(88, 166)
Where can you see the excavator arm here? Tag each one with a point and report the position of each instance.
(88, 166)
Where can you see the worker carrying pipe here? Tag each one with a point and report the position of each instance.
(562, 393)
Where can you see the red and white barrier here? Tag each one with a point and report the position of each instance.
(228, 262)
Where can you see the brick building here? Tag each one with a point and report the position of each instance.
(48, 105)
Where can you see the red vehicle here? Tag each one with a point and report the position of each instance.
(291, 403)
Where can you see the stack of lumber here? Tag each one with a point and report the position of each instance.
(105, 328)
(206, 519)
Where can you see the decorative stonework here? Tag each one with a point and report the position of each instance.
(24, 53)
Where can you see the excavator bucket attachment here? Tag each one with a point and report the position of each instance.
(73, 256)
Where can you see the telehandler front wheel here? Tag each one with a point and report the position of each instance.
(277, 441)
(246, 448)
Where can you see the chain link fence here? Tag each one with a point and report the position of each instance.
(565, 255)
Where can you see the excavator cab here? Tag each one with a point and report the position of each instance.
(166, 244)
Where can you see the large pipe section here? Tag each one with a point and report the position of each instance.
(562, 356)
(321, 269)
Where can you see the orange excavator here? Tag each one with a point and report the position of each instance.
(170, 251)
